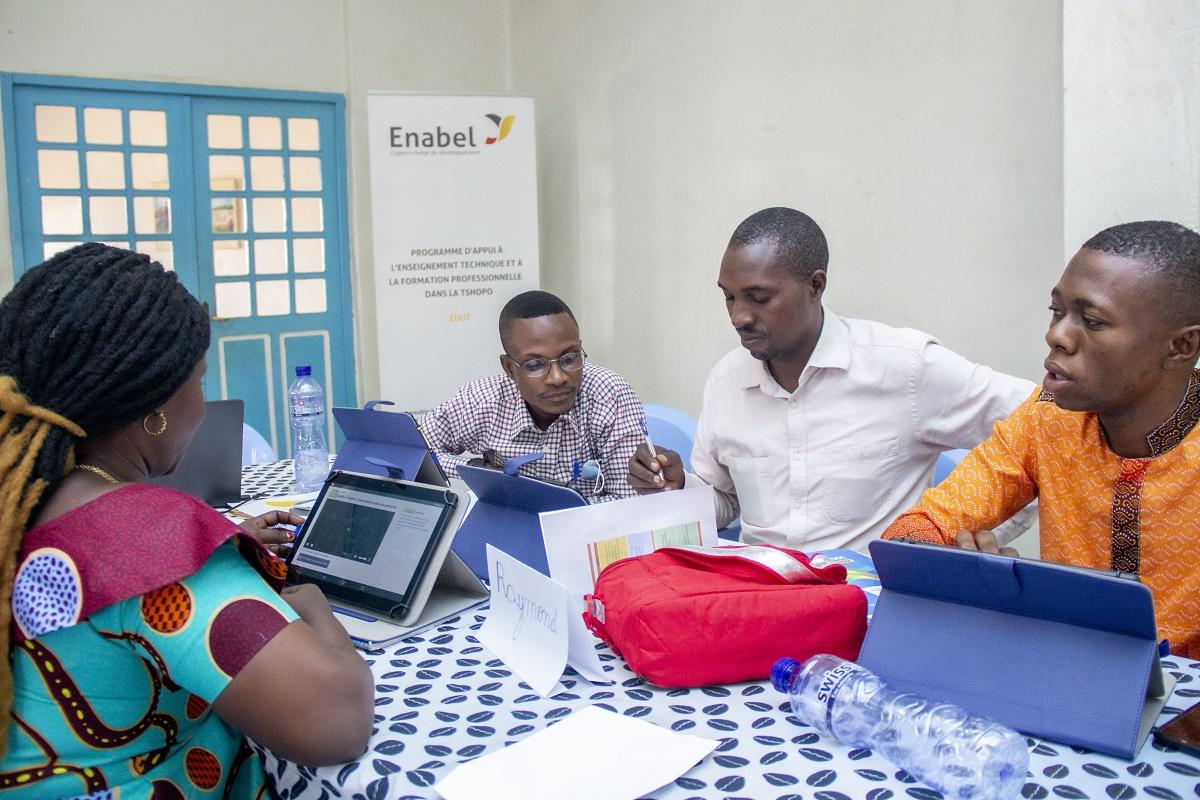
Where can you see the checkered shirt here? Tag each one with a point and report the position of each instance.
(606, 424)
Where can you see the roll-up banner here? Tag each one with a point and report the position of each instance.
(454, 207)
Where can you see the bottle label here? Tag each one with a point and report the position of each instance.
(831, 683)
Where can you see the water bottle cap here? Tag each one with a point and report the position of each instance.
(783, 672)
(303, 371)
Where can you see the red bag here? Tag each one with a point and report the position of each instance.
(695, 616)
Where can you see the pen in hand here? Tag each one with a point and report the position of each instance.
(658, 476)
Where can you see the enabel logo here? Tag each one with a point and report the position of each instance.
(503, 126)
(441, 138)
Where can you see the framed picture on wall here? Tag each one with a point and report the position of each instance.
(162, 215)
(228, 213)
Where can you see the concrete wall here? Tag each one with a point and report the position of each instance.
(1131, 108)
(925, 138)
(928, 138)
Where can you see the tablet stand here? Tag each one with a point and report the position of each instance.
(1060, 652)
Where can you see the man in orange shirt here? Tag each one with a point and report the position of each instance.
(1109, 444)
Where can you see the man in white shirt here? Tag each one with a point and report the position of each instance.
(820, 430)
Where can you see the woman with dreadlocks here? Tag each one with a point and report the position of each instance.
(143, 635)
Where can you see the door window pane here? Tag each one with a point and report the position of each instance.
(105, 169)
(58, 169)
(303, 134)
(270, 256)
(233, 299)
(148, 129)
(231, 257)
(306, 214)
(308, 255)
(107, 215)
(51, 249)
(266, 173)
(228, 215)
(305, 173)
(102, 126)
(270, 214)
(152, 215)
(162, 252)
(150, 171)
(272, 298)
(62, 215)
(266, 133)
(224, 130)
(55, 123)
(310, 296)
(226, 173)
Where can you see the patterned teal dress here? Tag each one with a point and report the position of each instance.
(113, 693)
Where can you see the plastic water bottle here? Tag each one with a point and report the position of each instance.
(959, 754)
(310, 455)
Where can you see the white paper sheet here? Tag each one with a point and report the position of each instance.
(581, 644)
(591, 755)
(526, 624)
(253, 508)
(580, 542)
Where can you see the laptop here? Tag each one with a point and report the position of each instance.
(211, 469)
(379, 548)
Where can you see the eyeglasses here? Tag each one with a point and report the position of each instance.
(571, 361)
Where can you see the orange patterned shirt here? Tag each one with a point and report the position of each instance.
(1096, 509)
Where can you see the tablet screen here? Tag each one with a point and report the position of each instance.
(368, 539)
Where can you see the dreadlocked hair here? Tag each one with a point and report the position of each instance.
(90, 341)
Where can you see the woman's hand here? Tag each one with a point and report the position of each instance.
(263, 527)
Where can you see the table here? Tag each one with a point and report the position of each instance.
(442, 699)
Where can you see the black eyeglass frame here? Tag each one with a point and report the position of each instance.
(543, 370)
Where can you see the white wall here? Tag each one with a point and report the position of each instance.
(432, 45)
(925, 138)
(349, 46)
(1131, 75)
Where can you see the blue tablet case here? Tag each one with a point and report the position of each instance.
(505, 515)
(385, 443)
(1054, 651)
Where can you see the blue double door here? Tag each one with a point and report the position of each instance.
(241, 194)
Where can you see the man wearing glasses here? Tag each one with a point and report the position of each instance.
(585, 419)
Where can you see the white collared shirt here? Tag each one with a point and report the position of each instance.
(832, 463)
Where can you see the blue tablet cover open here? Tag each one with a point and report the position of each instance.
(505, 515)
(1065, 653)
(387, 443)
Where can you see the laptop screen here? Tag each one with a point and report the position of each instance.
(211, 469)
(369, 539)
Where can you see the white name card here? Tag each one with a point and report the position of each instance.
(527, 624)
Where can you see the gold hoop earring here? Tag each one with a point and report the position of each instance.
(162, 428)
